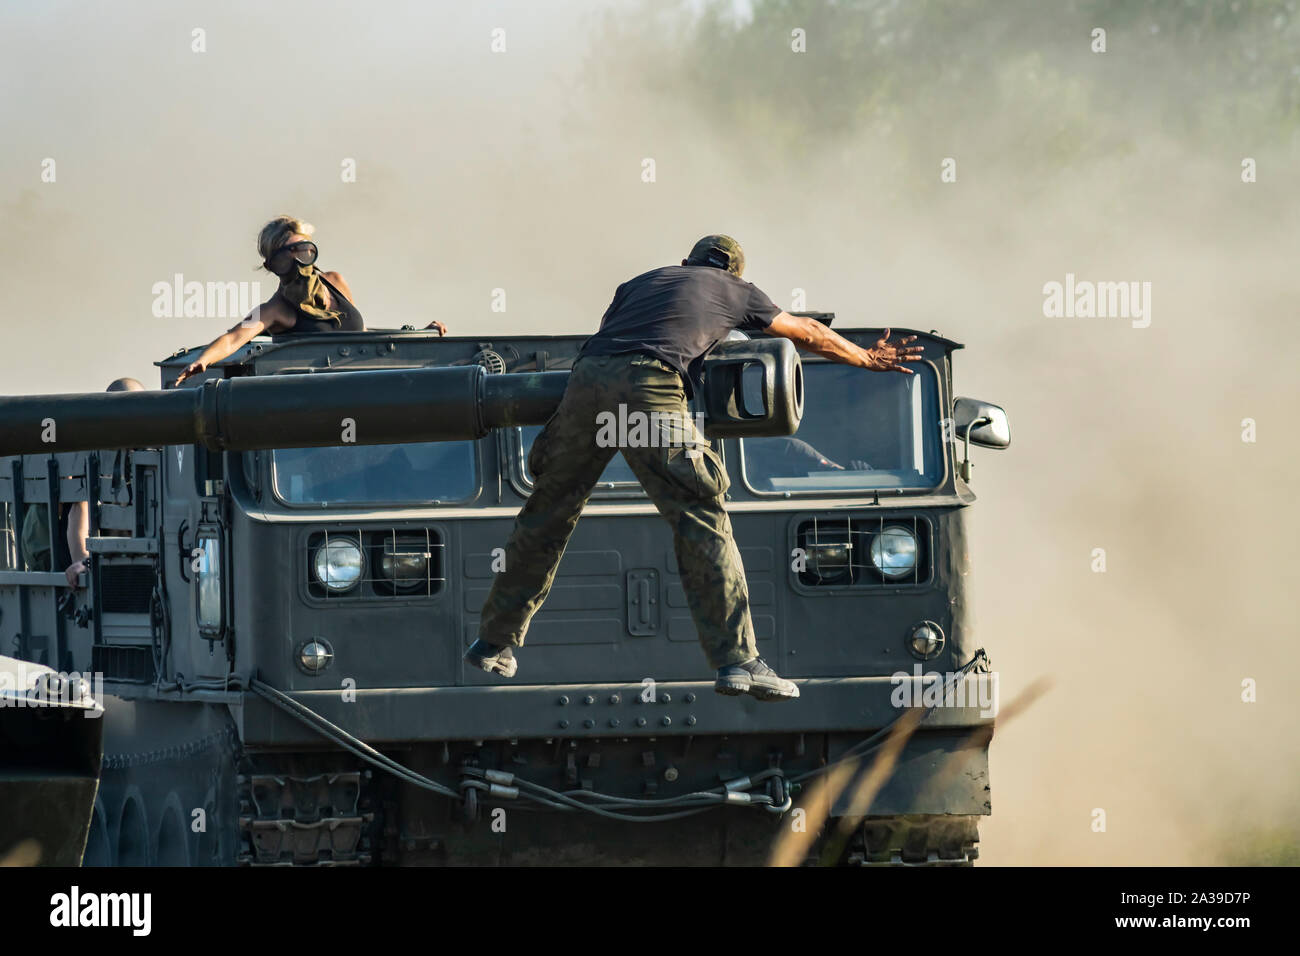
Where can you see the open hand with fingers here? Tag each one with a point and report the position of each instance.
(194, 368)
(886, 356)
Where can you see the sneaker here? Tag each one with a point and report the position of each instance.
(756, 679)
(492, 658)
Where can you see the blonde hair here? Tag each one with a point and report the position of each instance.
(275, 232)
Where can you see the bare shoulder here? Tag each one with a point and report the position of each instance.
(336, 279)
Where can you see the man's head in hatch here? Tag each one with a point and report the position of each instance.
(721, 252)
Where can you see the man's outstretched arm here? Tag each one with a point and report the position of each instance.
(812, 336)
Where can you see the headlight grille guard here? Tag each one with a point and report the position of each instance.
(835, 550)
(415, 569)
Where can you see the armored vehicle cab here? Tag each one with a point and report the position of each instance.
(280, 629)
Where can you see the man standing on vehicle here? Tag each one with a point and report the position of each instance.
(648, 357)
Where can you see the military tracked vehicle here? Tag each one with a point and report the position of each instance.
(288, 558)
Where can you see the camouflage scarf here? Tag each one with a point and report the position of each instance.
(304, 289)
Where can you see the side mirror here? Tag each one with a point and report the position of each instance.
(752, 388)
(988, 424)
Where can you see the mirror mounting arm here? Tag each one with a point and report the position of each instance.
(966, 465)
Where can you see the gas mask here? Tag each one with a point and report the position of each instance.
(300, 280)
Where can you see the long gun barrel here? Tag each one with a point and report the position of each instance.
(373, 407)
(286, 411)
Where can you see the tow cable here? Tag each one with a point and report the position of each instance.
(506, 786)
(501, 785)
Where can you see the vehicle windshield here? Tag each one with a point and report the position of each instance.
(860, 431)
(413, 473)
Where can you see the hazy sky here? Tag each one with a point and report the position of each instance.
(169, 160)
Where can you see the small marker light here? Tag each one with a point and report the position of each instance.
(925, 640)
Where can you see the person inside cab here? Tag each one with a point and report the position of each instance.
(307, 300)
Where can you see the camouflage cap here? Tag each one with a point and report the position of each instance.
(719, 251)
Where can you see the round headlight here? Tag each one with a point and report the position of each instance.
(406, 563)
(893, 552)
(829, 562)
(339, 564)
(926, 640)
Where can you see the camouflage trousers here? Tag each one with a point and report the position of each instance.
(684, 478)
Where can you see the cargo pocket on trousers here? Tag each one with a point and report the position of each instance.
(537, 454)
(697, 471)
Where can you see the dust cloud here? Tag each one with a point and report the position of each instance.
(523, 170)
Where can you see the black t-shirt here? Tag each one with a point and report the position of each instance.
(678, 314)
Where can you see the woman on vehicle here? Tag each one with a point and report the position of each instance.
(307, 300)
